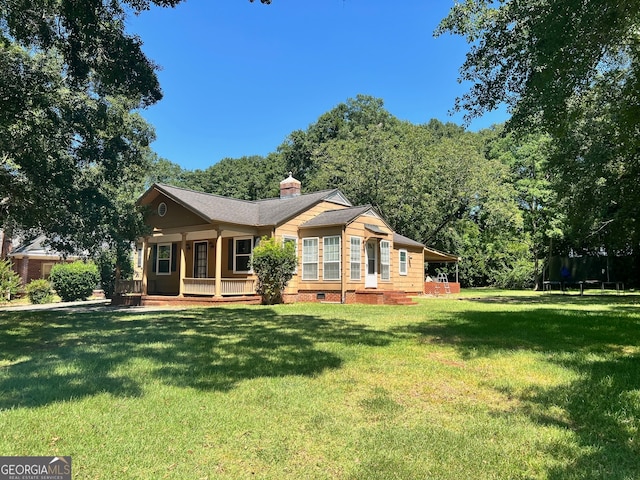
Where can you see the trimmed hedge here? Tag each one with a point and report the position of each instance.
(74, 281)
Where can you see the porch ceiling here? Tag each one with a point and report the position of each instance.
(433, 255)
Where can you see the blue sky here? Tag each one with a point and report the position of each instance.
(238, 77)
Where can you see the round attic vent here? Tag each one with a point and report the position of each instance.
(162, 209)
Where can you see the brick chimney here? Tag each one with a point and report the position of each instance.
(290, 187)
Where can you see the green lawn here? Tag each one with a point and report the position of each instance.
(489, 385)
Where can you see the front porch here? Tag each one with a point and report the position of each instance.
(195, 291)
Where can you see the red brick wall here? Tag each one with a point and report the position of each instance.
(27, 269)
(312, 296)
(33, 270)
(430, 288)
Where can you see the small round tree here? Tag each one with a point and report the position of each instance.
(9, 281)
(274, 263)
(74, 281)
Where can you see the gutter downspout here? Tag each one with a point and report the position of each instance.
(343, 241)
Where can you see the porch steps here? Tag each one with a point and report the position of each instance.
(397, 298)
(381, 297)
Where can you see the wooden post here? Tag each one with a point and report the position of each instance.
(145, 263)
(183, 264)
(219, 263)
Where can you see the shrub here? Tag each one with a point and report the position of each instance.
(273, 263)
(74, 281)
(107, 261)
(39, 291)
(9, 280)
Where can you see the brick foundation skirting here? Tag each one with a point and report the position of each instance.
(435, 288)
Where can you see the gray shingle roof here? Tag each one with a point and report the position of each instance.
(216, 208)
(272, 211)
(39, 247)
(402, 240)
(342, 216)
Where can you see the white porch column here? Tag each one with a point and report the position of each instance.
(145, 264)
(219, 263)
(183, 264)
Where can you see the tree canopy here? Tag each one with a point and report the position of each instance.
(71, 79)
(537, 56)
(570, 69)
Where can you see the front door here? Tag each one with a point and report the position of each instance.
(371, 279)
(200, 259)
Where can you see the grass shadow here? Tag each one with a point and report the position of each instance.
(602, 406)
(52, 356)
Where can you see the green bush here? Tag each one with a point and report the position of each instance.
(273, 263)
(74, 281)
(9, 281)
(39, 291)
(107, 261)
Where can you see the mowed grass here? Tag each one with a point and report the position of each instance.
(488, 385)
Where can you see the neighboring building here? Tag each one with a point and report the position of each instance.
(34, 260)
(201, 246)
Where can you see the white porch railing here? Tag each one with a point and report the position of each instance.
(229, 286)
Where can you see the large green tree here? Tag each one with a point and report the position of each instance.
(71, 79)
(538, 55)
(527, 158)
(344, 120)
(570, 69)
(246, 178)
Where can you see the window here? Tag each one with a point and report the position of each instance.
(385, 260)
(402, 262)
(140, 257)
(294, 240)
(355, 258)
(163, 259)
(242, 254)
(310, 259)
(331, 258)
(162, 209)
(46, 269)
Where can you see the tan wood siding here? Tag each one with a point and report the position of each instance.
(176, 216)
(413, 280)
(292, 229)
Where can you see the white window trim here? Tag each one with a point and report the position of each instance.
(359, 261)
(317, 240)
(401, 263)
(324, 261)
(286, 238)
(158, 259)
(235, 255)
(386, 245)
